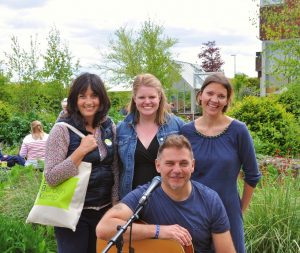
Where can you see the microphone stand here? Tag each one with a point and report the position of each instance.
(117, 239)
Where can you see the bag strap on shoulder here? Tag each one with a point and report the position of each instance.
(76, 131)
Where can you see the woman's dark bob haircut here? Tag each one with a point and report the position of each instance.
(221, 79)
(80, 86)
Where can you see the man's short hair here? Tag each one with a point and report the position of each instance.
(175, 141)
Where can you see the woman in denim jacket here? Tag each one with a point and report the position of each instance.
(142, 131)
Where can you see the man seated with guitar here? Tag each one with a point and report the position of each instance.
(179, 209)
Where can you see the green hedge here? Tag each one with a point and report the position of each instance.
(273, 129)
(4, 112)
(13, 130)
(291, 100)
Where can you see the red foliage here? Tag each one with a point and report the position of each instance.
(210, 57)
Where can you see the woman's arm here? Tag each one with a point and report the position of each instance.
(23, 150)
(59, 167)
(246, 197)
(249, 166)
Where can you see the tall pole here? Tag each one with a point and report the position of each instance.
(234, 63)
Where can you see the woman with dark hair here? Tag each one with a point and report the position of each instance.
(87, 109)
(222, 146)
(145, 127)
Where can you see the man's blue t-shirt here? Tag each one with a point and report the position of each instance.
(201, 214)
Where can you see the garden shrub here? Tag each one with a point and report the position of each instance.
(119, 99)
(26, 97)
(4, 92)
(291, 100)
(4, 118)
(271, 126)
(17, 127)
(116, 115)
(37, 97)
(4, 112)
(245, 86)
(263, 147)
(248, 91)
(51, 96)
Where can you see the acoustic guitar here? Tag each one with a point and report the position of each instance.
(148, 246)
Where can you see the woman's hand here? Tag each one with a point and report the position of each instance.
(88, 144)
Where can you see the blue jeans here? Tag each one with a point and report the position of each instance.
(83, 240)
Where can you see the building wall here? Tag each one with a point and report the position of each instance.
(280, 31)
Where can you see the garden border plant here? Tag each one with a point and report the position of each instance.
(18, 189)
(273, 219)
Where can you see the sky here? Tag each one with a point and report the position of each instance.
(87, 26)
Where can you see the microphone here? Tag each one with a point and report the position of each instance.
(154, 184)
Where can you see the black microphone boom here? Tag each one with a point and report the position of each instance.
(118, 237)
(154, 184)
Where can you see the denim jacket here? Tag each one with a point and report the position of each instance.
(127, 140)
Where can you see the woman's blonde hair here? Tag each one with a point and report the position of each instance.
(149, 80)
(37, 130)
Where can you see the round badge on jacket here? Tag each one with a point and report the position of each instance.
(108, 142)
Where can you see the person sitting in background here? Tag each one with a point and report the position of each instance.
(34, 145)
(179, 209)
(10, 160)
(64, 104)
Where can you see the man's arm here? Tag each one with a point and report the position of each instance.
(223, 242)
(120, 213)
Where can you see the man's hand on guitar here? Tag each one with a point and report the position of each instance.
(175, 232)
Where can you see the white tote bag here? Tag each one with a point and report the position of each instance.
(61, 205)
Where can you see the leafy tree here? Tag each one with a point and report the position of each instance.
(245, 86)
(210, 57)
(58, 60)
(280, 24)
(15, 60)
(4, 78)
(21, 64)
(146, 50)
(32, 71)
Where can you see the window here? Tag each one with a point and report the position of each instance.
(270, 2)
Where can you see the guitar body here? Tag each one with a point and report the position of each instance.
(148, 246)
